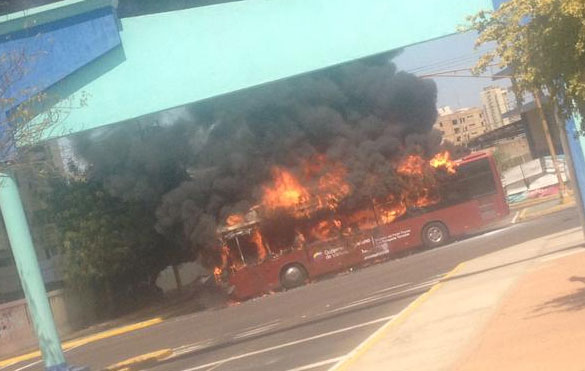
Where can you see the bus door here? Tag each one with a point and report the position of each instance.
(245, 273)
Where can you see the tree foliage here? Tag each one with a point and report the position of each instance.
(542, 42)
(105, 213)
(109, 246)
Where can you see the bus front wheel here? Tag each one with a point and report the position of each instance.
(292, 276)
(435, 234)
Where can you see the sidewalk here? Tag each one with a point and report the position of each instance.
(522, 308)
(540, 324)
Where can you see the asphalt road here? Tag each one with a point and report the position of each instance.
(310, 327)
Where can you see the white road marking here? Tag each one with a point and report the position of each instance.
(191, 347)
(316, 364)
(257, 330)
(29, 365)
(291, 343)
(394, 287)
(516, 217)
(214, 367)
(41, 360)
(421, 284)
(491, 233)
(378, 297)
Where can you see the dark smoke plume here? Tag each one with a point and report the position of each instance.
(366, 115)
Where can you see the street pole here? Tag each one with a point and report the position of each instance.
(576, 163)
(30, 275)
(549, 142)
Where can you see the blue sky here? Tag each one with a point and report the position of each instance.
(449, 53)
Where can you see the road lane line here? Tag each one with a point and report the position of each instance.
(29, 365)
(214, 367)
(516, 217)
(373, 339)
(291, 343)
(316, 364)
(40, 360)
(84, 340)
(255, 331)
(379, 297)
(394, 287)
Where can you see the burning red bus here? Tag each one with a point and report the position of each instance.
(260, 255)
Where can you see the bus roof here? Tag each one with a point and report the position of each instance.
(474, 157)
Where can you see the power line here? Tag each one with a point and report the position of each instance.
(446, 63)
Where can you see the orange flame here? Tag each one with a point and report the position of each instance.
(325, 230)
(323, 186)
(333, 187)
(217, 274)
(389, 213)
(443, 159)
(287, 191)
(234, 219)
(257, 239)
(411, 165)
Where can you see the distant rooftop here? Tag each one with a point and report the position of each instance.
(446, 110)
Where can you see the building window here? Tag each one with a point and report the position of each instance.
(457, 130)
(455, 122)
(459, 139)
(440, 124)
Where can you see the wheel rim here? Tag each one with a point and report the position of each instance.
(435, 234)
(292, 275)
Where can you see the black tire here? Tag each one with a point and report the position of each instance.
(435, 234)
(293, 275)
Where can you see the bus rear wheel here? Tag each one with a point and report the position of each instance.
(293, 275)
(435, 234)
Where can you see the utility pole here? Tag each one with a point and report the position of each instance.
(549, 142)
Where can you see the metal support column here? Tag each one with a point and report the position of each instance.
(576, 145)
(30, 274)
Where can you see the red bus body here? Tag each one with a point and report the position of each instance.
(375, 244)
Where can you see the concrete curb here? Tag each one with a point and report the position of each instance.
(362, 348)
(84, 340)
(527, 215)
(533, 202)
(141, 361)
(441, 328)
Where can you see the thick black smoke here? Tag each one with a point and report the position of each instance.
(366, 115)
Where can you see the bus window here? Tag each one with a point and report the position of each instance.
(478, 179)
(472, 180)
(249, 248)
(235, 258)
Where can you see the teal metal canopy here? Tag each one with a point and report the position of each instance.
(172, 59)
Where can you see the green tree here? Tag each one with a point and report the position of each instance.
(542, 42)
(109, 246)
(106, 212)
